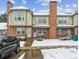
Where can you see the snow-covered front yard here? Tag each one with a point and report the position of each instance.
(54, 42)
(60, 53)
(22, 43)
(57, 53)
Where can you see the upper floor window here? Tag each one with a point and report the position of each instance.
(42, 20)
(62, 20)
(19, 16)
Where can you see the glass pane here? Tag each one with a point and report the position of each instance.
(22, 18)
(23, 32)
(18, 32)
(19, 18)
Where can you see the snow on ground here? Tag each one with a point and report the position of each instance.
(54, 42)
(22, 43)
(60, 53)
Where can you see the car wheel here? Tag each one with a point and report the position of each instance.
(17, 49)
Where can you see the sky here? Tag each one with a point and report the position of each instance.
(63, 6)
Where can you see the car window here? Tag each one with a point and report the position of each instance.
(1, 37)
(5, 38)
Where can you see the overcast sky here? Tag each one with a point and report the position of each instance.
(63, 6)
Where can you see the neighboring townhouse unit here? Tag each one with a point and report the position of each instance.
(65, 24)
(22, 22)
(41, 24)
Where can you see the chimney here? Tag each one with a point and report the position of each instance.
(53, 19)
(9, 5)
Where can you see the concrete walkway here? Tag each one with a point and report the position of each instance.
(15, 56)
(36, 55)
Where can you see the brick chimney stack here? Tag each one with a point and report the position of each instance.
(53, 20)
(9, 5)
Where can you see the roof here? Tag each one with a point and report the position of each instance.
(58, 14)
(41, 13)
(20, 7)
(3, 26)
(64, 14)
(65, 26)
(41, 26)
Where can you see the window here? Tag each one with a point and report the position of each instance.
(42, 20)
(22, 18)
(64, 32)
(62, 20)
(18, 32)
(15, 18)
(21, 31)
(19, 16)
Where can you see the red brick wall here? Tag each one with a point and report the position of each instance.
(9, 5)
(12, 31)
(52, 20)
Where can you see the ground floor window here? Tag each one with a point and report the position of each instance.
(40, 32)
(64, 32)
(24, 31)
(21, 31)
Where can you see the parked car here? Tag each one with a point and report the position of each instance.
(8, 45)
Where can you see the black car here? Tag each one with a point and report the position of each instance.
(8, 45)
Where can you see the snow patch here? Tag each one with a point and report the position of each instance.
(54, 42)
(22, 43)
(60, 53)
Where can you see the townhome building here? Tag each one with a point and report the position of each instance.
(23, 22)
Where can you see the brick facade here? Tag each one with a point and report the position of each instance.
(52, 20)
